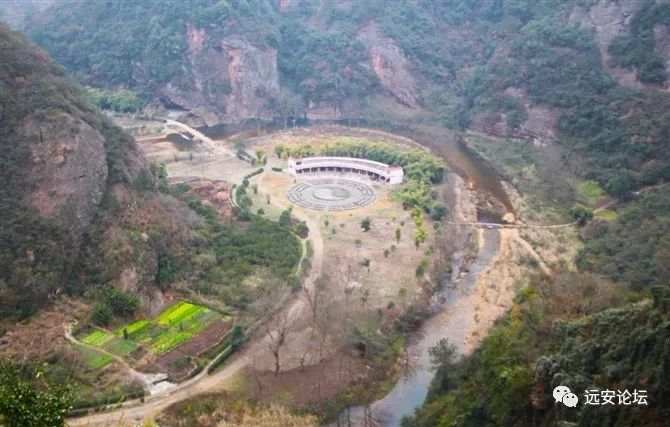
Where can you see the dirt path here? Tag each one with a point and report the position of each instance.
(133, 372)
(134, 412)
(529, 248)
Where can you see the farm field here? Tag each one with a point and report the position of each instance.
(93, 358)
(174, 326)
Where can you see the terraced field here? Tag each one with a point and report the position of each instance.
(174, 326)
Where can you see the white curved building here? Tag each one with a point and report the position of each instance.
(376, 171)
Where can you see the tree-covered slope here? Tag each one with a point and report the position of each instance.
(58, 157)
(575, 329)
(510, 379)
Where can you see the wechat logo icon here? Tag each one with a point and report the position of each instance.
(565, 396)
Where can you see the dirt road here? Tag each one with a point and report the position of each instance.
(135, 411)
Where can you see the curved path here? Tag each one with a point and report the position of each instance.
(133, 372)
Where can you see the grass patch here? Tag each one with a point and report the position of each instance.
(101, 361)
(93, 358)
(607, 215)
(590, 189)
(120, 347)
(97, 338)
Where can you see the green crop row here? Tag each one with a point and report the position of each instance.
(101, 361)
(169, 340)
(94, 358)
(133, 328)
(179, 312)
(97, 338)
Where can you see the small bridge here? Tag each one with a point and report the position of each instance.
(196, 133)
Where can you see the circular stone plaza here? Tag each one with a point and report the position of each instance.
(338, 183)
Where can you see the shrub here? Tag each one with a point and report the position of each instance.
(122, 303)
(581, 213)
(437, 212)
(301, 229)
(101, 315)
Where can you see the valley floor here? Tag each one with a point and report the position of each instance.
(310, 352)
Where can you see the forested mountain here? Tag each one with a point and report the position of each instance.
(590, 75)
(590, 79)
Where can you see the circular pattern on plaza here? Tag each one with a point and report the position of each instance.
(331, 194)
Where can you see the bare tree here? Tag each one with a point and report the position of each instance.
(289, 105)
(315, 294)
(276, 329)
(346, 278)
(323, 323)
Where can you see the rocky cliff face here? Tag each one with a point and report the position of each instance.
(231, 79)
(608, 19)
(67, 169)
(390, 65)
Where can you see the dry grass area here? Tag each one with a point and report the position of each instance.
(308, 385)
(495, 288)
(211, 193)
(43, 334)
(224, 410)
(345, 242)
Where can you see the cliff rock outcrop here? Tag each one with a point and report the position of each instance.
(390, 65)
(231, 79)
(68, 170)
(59, 155)
(608, 19)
